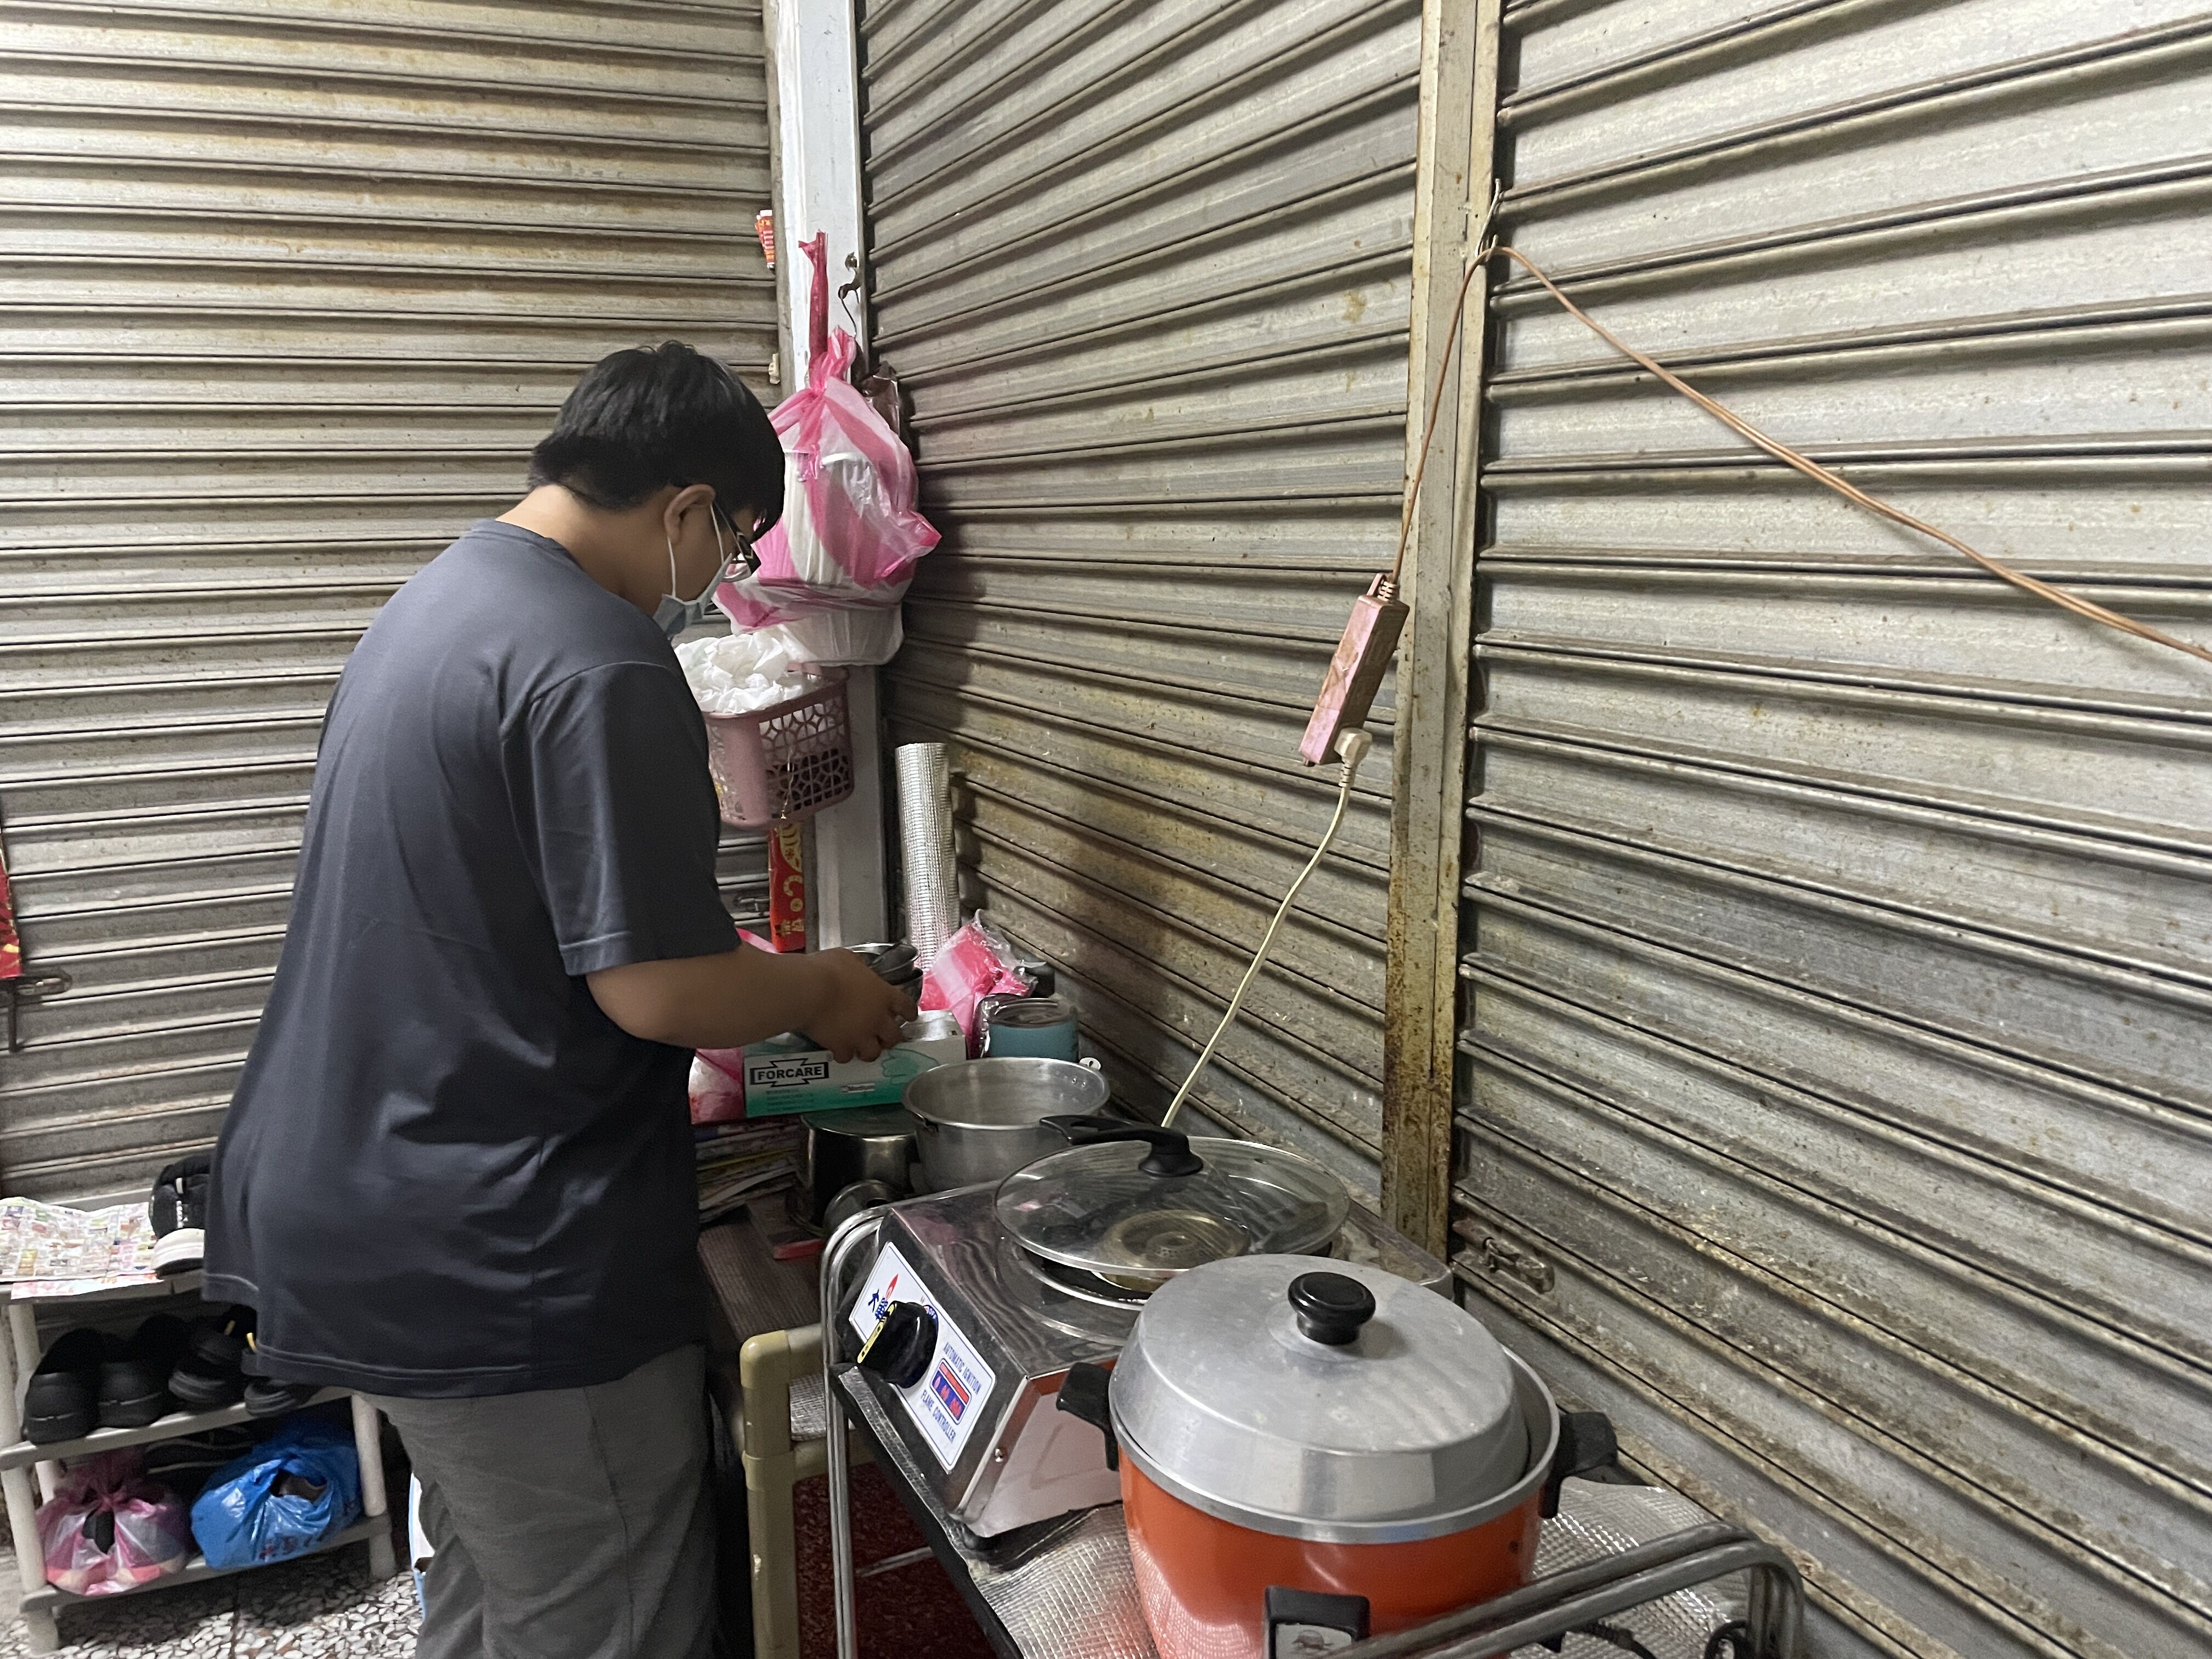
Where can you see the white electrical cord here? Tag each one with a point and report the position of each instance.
(1352, 748)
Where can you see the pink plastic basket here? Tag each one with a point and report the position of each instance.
(785, 763)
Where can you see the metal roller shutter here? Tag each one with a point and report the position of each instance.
(291, 290)
(1838, 991)
(1143, 270)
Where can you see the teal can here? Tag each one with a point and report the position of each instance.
(1028, 1028)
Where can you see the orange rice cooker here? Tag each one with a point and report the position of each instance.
(1312, 1454)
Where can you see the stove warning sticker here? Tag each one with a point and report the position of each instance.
(948, 1402)
(890, 1280)
(945, 1385)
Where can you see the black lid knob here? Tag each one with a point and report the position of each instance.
(899, 1352)
(1170, 1153)
(1331, 1307)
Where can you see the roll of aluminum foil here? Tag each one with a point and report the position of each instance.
(925, 852)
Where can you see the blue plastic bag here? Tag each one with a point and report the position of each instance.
(285, 1496)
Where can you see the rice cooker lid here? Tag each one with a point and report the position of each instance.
(1336, 1402)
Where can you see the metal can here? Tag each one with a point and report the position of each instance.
(1038, 1028)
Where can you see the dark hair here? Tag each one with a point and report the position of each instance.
(656, 416)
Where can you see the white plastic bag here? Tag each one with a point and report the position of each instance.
(743, 673)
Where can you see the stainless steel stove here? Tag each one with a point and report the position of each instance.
(970, 1370)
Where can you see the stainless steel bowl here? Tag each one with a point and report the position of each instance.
(981, 1120)
(860, 1195)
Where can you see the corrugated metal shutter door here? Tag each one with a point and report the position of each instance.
(1143, 268)
(1840, 991)
(291, 291)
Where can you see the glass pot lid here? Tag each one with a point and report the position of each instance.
(1138, 1205)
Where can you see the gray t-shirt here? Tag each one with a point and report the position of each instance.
(445, 1171)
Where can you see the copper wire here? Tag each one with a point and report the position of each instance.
(1780, 450)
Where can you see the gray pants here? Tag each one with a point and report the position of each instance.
(575, 1523)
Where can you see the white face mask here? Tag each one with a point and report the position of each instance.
(675, 615)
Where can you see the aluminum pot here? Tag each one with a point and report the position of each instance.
(980, 1120)
(848, 1145)
(1310, 1457)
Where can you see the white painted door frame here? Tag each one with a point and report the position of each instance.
(814, 102)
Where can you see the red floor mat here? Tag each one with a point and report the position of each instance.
(913, 1611)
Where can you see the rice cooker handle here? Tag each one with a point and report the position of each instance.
(1586, 1442)
(1083, 1394)
(1171, 1155)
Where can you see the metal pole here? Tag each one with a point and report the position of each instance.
(369, 1448)
(1461, 42)
(1776, 1613)
(1755, 1555)
(1499, 1628)
(843, 1247)
(1546, 1592)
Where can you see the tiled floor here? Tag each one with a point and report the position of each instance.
(323, 1608)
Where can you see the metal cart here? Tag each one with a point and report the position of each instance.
(1066, 1591)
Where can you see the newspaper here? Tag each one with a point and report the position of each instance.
(46, 1250)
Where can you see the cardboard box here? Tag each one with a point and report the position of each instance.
(789, 1074)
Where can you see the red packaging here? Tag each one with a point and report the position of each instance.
(11, 948)
(786, 889)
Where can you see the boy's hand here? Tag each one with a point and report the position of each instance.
(859, 1016)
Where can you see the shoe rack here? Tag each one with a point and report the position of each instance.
(29, 1474)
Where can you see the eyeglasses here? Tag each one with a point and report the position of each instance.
(744, 560)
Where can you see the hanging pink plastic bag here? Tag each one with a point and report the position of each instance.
(110, 1529)
(836, 565)
(974, 964)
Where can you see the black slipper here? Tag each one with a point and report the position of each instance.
(211, 1373)
(265, 1398)
(61, 1402)
(133, 1391)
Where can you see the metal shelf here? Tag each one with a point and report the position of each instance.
(195, 1569)
(174, 1426)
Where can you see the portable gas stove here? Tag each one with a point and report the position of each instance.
(968, 1335)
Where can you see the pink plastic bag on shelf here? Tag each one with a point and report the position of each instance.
(974, 964)
(718, 1075)
(110, 1529)
(836, 565)
(717, 1087)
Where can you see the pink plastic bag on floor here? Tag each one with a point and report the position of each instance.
(110, 1529)
(836, 565)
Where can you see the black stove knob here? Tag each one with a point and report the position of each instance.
(1331, 1307)
(903, 1342)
